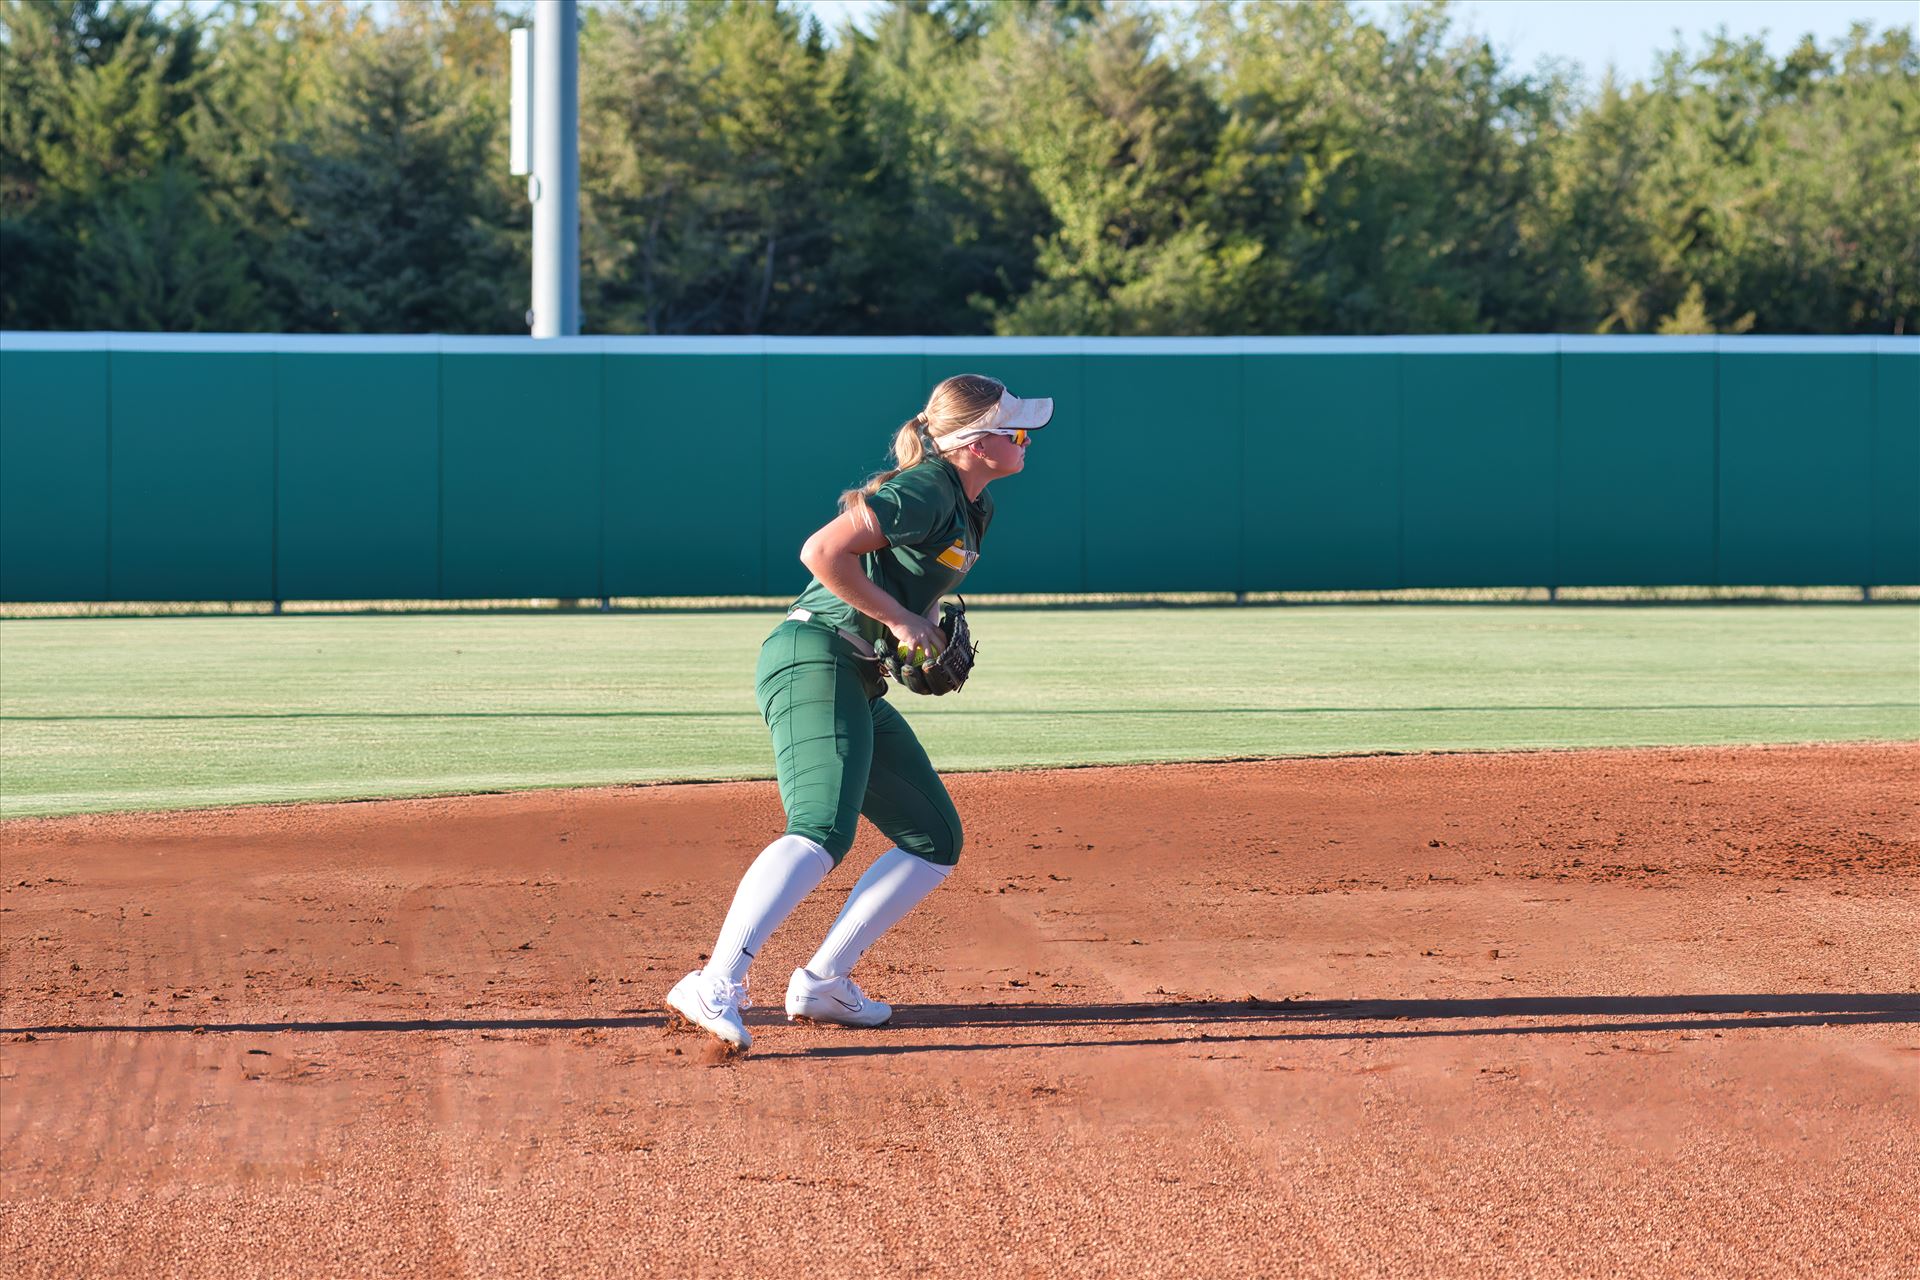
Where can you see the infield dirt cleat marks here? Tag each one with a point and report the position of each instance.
(708, 1002)
(713, 1050)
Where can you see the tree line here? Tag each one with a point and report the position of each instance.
(967, 166)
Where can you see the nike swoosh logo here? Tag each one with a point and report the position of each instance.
(850, 1008)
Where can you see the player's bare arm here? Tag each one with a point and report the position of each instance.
(832, 554)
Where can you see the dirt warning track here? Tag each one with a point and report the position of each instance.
(1608, 1012)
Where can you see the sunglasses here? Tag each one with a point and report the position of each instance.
(1019, 435)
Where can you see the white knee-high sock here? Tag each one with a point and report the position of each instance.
(880, 899)
(785, 872)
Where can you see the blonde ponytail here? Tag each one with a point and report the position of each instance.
(955, 403)
(909, 450)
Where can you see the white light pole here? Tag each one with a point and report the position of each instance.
(552, 135)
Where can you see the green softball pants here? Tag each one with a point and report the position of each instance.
(841, 751)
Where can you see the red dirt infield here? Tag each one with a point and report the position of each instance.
(1569, 1013)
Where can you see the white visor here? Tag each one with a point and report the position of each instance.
(1010, 415)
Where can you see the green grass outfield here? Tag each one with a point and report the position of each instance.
(173, 712)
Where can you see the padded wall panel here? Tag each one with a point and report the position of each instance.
(192, 476)
(685, 488)
(520, 475)
(359, 476)
(1321, 487)
(53, 475)
(1163, 472)
(1479, 446)
(1896, 470)
(1796, 439)
(1636, 468)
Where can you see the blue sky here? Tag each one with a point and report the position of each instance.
(1628, 34)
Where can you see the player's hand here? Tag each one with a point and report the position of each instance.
(915, 639)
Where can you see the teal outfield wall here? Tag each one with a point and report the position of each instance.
(150, 467)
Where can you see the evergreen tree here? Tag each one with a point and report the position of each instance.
(155, 258)
(396, 218)
(1019, 166)
(712, 170)
(947, 218)
(1397, 179)
(1116, 137)
(91, 102)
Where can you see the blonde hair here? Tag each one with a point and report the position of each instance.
(955, 404)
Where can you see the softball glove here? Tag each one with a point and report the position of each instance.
(948, 670)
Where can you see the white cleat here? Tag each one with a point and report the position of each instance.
(839, 1001)
(711, 1003)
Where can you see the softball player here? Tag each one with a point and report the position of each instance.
(901, 541)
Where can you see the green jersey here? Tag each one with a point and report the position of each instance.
(933, 537)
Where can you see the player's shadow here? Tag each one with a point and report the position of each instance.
(1175, 1009)
(1176, 1021)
